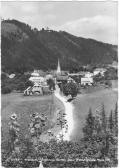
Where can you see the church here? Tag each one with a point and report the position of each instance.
(58, 68)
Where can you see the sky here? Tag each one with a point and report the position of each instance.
(97, 20)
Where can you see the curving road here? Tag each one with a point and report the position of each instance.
(68, 117)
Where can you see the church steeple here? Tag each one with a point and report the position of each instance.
(58, 67)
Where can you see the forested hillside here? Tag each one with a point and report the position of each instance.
(24, 49)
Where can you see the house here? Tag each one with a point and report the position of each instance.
(99, 71)
(88, 74)
(70, 80)
(35, 73)
(62, 78)
(86, 81)
(37, 88)
(37, 79)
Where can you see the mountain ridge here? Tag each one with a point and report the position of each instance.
(24, 49)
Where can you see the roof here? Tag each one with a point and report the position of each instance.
(36, 78)
(100, 69)
(62, 77)
(35, 74)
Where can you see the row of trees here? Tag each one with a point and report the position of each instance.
(101, 134)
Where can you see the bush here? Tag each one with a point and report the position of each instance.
(21, 86)
(29, 83)
(6, 89)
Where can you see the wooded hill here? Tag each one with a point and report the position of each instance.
(24, 49)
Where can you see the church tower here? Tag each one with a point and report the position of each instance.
(58, 68)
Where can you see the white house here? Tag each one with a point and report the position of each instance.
(37, 88)
(86, 81)
(37, 79)
(88, 75)
(35, 73)
(99, 70)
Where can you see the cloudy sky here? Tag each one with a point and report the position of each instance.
(97, 20)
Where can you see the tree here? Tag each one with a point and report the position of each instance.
(21, 86)
(28, 83)
(111, 122)
(70, 89)
(6, 89)
(116, 119)
(89, 126)
(104, 123)
(51, 84)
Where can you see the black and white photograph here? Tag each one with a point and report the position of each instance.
(59, 84)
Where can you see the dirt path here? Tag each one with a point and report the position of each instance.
(68, 128)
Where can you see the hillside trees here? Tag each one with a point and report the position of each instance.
(24, 48)
(19, 83)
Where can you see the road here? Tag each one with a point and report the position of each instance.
(68, 116)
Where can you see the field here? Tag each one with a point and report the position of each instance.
(92, 98)
(23, 106)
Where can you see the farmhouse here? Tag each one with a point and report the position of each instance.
(35, 73)
(99, 71)
(86, 81)
(37, 88)
(88, 75)
(36, 78)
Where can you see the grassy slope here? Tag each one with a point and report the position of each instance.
(84, 101)
(23, 107)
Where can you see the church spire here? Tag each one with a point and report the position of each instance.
(58, 67)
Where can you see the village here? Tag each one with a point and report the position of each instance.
(83, 78)
(48, 116)
(59, 84)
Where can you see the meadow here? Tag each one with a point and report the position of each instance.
(23, 106)
(94, 99)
